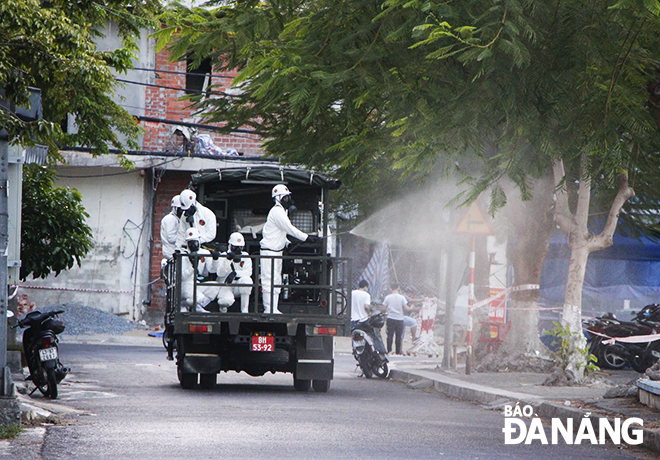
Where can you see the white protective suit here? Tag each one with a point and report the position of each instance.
(169, 228)
(205, 293)
(277, 227)
(203, 220)
(243, 271)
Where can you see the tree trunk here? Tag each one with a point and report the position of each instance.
(582, 243)
(530, 227)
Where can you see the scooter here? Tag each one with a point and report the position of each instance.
(41, 351)
(368, 348)
(640, 356)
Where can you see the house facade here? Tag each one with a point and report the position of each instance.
(121, 274)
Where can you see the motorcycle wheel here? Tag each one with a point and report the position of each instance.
(42, 386)
(612, 357)
(382, 371)
(52, 383)
(640, 363)
(366, 368)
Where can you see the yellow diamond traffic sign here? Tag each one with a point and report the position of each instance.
(474, 222)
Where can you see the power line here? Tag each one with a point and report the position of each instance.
(174, 88)
(184, 73)
(195, 125)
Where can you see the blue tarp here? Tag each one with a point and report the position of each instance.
(627, 270)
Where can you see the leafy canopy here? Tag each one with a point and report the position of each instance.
(54, 234)
(489, 89)
(49, 45)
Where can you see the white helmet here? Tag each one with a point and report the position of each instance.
(236, 239)
(192, 234)
(176, 202)
(280, 190)
(188, 198)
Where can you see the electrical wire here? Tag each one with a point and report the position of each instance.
(145, 69)
(174, 88)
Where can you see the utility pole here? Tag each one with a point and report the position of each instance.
(10, 412)
(7, 384)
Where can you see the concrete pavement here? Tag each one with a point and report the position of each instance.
(493, 390)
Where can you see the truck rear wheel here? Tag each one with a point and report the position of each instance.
(188, 380)
(301, 384)
(207, 381)
(321, 386)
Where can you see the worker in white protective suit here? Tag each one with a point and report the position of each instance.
(169, 228)
(236, 268)
(274, 240)
(207, 263)
(196, 216)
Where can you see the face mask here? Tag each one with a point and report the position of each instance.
(193, 246)
(287, 203)
(179, 212)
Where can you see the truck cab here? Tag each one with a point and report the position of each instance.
(315, 289)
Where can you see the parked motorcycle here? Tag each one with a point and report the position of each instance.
(619, 355)
(41, 351)
(368, 348)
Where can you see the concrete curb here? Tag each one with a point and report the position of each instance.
(465, 391)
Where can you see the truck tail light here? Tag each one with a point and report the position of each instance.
(200, 328)
(325, 331)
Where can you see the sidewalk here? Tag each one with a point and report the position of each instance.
(495, 390)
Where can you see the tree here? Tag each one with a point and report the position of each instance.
(54, 234)
(50, 45)
(496, 91)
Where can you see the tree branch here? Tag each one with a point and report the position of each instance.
(562, 215)
(604, 239)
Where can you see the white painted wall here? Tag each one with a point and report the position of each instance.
(113, 276)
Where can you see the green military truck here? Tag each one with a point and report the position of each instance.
(315, 298)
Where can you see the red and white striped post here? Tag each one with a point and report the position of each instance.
(473, 223)
(471, 301)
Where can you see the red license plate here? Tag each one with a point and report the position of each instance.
(263, 343)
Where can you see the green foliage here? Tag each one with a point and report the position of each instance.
(564, 341)
(10, 431)
(376, 90)
(54, 232)
(50, 45)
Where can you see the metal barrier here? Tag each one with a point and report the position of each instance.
(310, 284)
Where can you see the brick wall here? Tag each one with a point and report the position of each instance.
(171, 184)
(164, 103)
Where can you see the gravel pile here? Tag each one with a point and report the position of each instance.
(79, 319)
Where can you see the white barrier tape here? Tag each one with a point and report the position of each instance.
(77, 289)
(506, 292)
(631, 339)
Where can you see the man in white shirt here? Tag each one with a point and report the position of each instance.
(395, 303)
(360, 304)
(274, 240)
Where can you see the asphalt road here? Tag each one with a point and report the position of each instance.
(133, 408)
